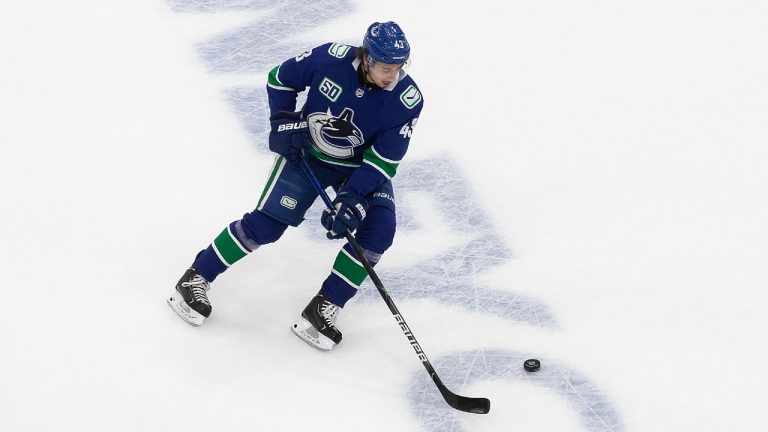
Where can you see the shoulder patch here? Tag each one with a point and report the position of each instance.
(338, 50)
(410, 97)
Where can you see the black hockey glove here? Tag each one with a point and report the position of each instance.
(350, 211)
(289, 136)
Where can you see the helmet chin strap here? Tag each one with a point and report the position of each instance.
(364, 74)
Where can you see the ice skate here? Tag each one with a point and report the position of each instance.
(317, 324)
(190, 300)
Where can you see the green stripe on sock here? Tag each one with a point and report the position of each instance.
(353, 271)
(228, 248)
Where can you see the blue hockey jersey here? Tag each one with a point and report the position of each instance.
(358, 130)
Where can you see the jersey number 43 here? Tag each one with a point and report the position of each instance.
(407, 130)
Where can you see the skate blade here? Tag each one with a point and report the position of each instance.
(304, 330)
(191, 316)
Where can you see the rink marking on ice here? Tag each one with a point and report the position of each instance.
(450, 278)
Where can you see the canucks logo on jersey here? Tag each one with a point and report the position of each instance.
(335, 136)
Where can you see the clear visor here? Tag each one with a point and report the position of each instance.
(385, 66)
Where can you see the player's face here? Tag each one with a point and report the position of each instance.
(383, 74)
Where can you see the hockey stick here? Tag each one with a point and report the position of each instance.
(462, 403)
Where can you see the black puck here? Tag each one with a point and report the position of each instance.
(532, 365)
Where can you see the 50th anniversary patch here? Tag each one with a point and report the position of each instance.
(330, 89)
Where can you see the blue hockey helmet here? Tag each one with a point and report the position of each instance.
(386, 43)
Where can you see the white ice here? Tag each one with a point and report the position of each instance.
(587, 185)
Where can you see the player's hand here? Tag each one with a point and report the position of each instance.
(349, 212)
(288, 135)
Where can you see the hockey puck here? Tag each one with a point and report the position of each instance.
(531, 365)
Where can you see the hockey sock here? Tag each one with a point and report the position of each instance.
(346, 276)
(225, 250)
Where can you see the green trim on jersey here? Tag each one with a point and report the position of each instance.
(331, 160)
(228, 248)
(274, 82)
(349, 269)
(386, 166)
(276, 169)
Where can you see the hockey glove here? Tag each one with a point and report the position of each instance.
(350, 211)
(289, 136)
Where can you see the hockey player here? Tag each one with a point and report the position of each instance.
(353, 130)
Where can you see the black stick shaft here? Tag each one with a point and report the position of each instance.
(473, 405)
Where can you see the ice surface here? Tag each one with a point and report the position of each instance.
(595, 411)
(586, 186)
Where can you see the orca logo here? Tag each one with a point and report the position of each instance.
(335, 136)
